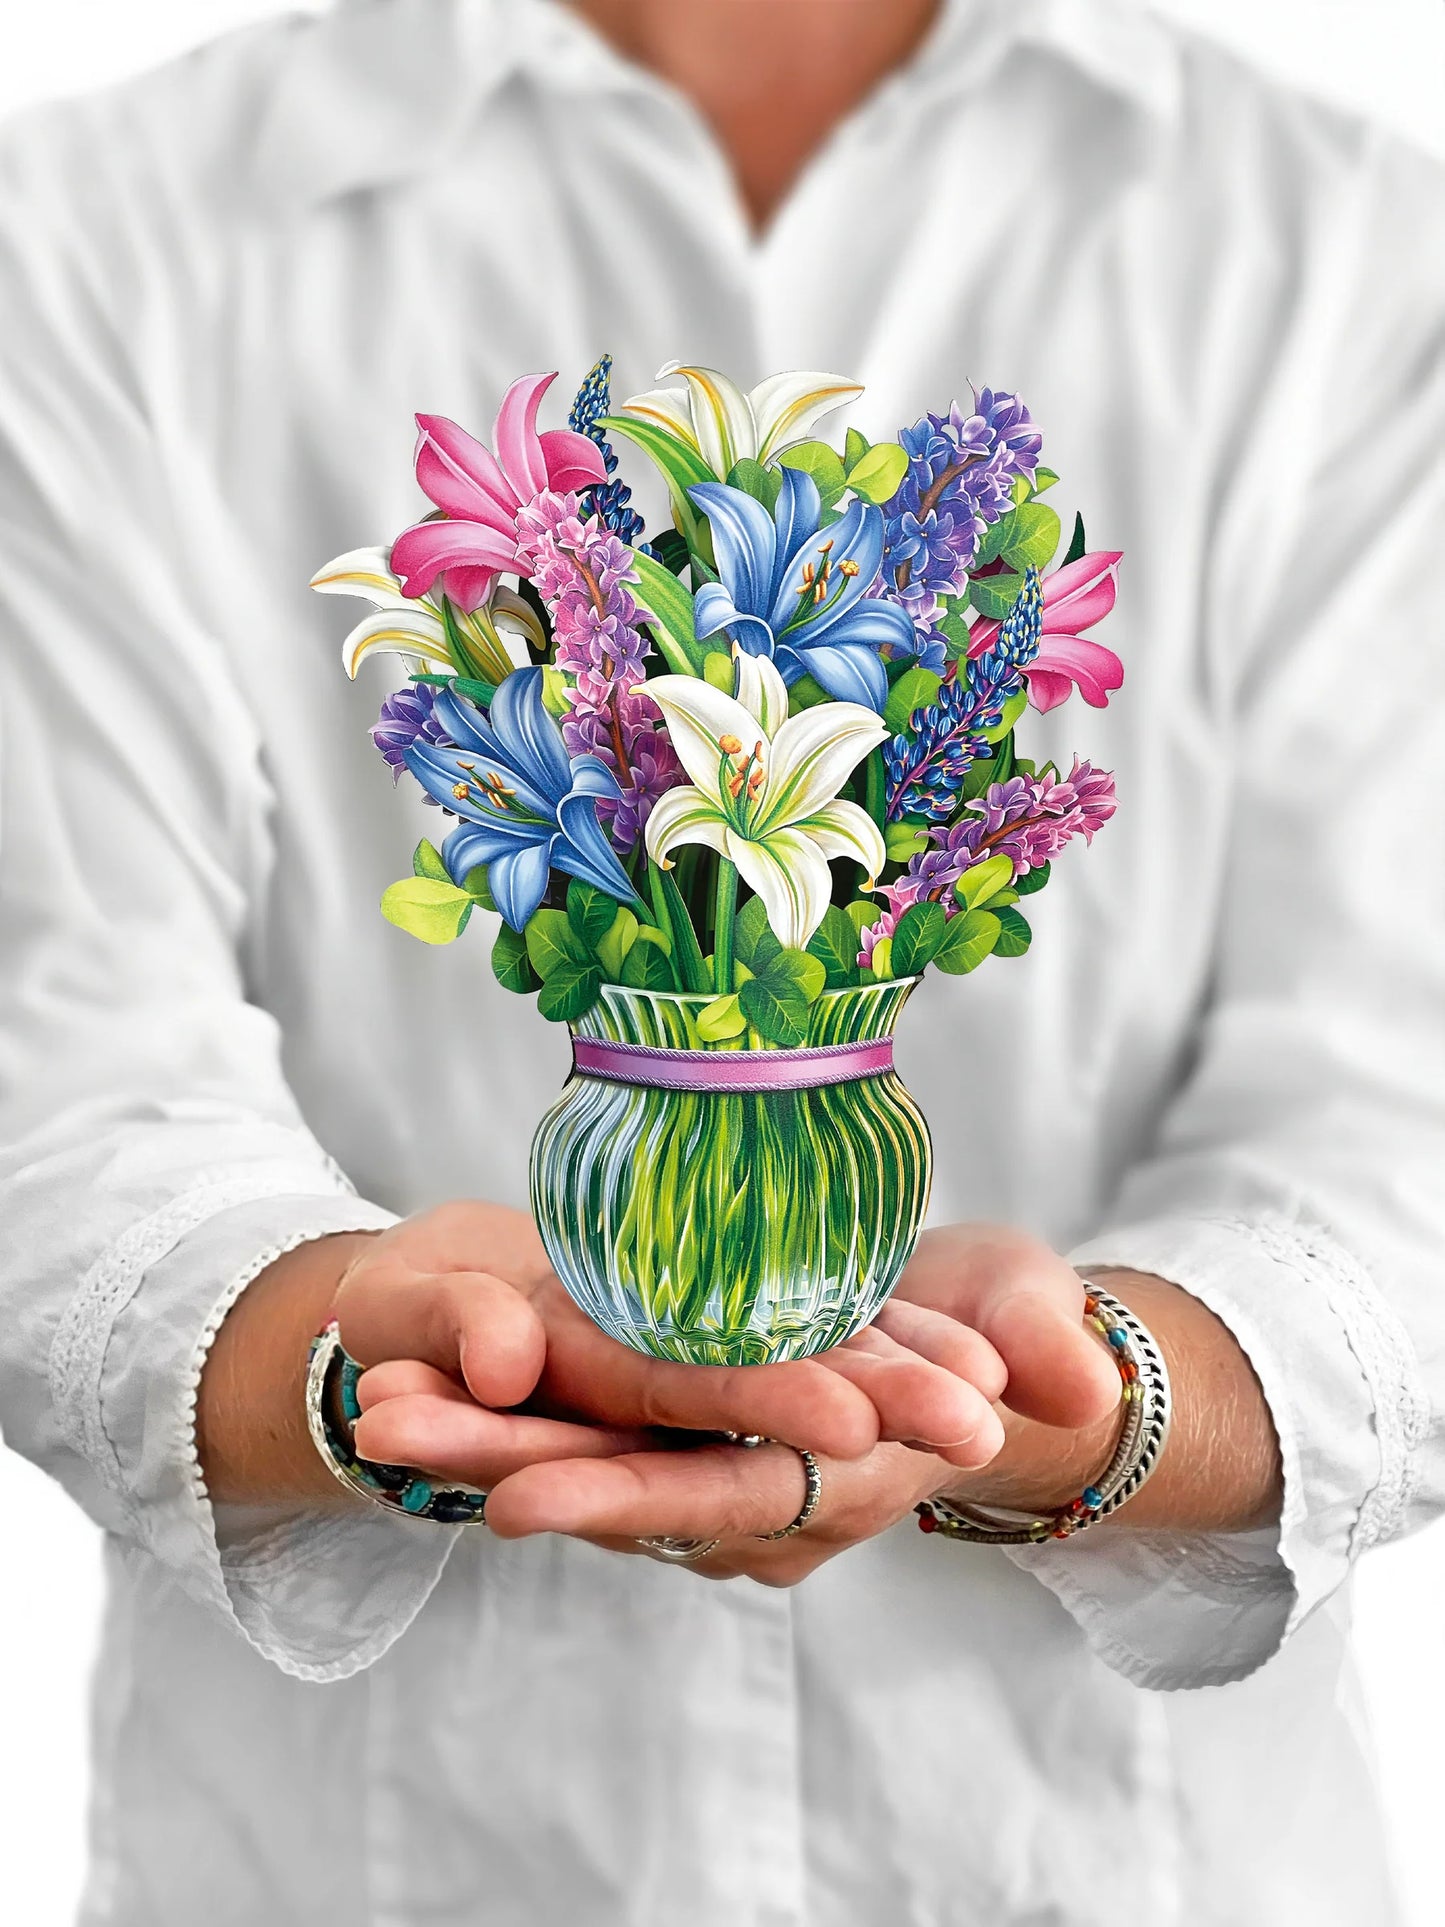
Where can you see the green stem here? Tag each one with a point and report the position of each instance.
(687, 957)
(662, 921)
(874, 801)
(725, 905)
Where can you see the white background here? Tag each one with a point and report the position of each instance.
(1385, 56)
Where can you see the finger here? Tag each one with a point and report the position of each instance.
(919, 1403)
(466, 1323)
(404, 1378)
(457, 1439)
(804, 1403)
(714, 1492)
(945, 1341)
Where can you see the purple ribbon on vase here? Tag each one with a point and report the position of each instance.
(731, 1070)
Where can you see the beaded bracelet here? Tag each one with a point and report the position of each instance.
(1142, 1434)
(332, 1409)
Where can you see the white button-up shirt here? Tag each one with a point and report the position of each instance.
(223, 291)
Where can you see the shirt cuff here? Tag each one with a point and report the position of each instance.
(320, 1594)
(1344, 1390)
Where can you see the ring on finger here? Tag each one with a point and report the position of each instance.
(680, 1551)
(811, 1495)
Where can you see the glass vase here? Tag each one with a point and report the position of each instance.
(732, 1226)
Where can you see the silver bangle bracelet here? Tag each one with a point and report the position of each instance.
(1144, 1429)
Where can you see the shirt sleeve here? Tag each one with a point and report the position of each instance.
(1297, 1184)
(152, 1159)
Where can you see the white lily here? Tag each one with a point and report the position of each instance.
(713, 416)
(764, 790)
(412, 627)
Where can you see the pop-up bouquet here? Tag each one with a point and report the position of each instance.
(730, 790)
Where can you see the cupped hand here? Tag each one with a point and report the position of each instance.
(466, 1289)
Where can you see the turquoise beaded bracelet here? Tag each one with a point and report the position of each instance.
(332, 1409)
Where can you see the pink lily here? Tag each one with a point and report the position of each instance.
(1075, 598)
(481, 494)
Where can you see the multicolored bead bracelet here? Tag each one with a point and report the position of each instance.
(332, 1409)
(1142, 1434)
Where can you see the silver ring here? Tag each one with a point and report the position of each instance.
(811, 1497)
(680, 1551)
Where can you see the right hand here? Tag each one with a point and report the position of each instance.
(461, 1320)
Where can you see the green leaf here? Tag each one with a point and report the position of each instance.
(1034, 538)
(995, 539)
(570, 992)
(824, 464)
(1044, 478)
(1077, 544)
(915, 689)
(683, 467)
(722, 1018)
(1021, 490)
(796, 970)
(477, 887)
(1012, 710)
(855, 447)
(904, 840)
(430, 908)
(717, 669)
(590, 912)
(862, 914)
(955, 629)
(426, 861)
(806, 694)
(763, 484)
(646, 967)
(994, 595)
(649, 933)
(668, 609)
(556, 699)
(835, 944)
(615, 942)
(1032, 880)
(883, 957)
(753, 941)
(778, 1014)
(1014, 935)
(970, 939)
(978, 886)
(876, 475)
(671, 550)
(552, 942)
(510, 964)
(918, 938)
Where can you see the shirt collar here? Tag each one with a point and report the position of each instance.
(379, 91)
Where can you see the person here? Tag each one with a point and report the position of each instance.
(1214, 1087)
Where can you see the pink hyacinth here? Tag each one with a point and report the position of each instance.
(581, 570)
(1075, 598)
(481, 494)
(1029, 819)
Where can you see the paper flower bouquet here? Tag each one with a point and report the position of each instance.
(730, 791)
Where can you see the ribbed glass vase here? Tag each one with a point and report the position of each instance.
(723, 1227)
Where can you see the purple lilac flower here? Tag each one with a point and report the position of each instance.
(927, 763)
(1028, 819)
(408, 716)
(581, 571)
(609, 501)
(961, 472)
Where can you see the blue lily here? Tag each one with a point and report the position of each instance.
(790, 589)
(528, 806)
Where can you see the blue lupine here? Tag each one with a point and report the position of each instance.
(528, 807)
(925, 768)
(609, 501)
(793, 590)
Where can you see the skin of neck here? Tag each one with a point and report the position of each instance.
(772, 78)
